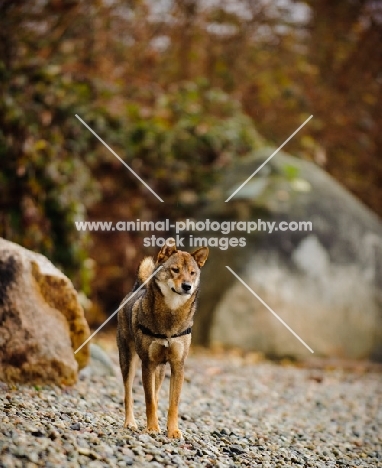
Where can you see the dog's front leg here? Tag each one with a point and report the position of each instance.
(176, 382)
(148, 380)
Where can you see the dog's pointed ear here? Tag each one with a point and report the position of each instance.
(200, 256)
(167, 250)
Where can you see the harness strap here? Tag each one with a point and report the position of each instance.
(147, 331)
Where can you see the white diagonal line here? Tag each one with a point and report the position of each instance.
(119, 308)
(116, 155)
(270, 310)
(270, 157)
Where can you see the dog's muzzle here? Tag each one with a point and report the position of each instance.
(186, 289)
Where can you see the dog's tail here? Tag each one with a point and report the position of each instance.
(145, 270)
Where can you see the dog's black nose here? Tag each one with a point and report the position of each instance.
(186, 286)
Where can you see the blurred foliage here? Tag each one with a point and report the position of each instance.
(181, 142)
(174, 87)
(44, 181)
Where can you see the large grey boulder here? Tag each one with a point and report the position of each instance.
(325, 284)
(41, 320)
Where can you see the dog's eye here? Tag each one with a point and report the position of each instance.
(175, 270)
(192, 273)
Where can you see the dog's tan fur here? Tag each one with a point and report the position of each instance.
(164, 307)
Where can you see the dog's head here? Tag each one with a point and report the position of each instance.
(180, 272)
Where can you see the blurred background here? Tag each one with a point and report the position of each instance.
(186, 92)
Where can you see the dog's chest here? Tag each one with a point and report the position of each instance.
(162, 351)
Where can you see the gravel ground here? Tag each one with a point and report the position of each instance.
(233, 413)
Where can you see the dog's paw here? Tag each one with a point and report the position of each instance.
(154, 429)
(174, 434)
(131, 425)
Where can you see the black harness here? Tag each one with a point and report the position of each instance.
(148, 332)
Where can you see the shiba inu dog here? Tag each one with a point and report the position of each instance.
(155, 325)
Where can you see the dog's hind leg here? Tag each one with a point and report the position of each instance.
(128, 360)
(159, 376)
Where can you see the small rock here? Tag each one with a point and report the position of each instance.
(236, 449)
(145, 438)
